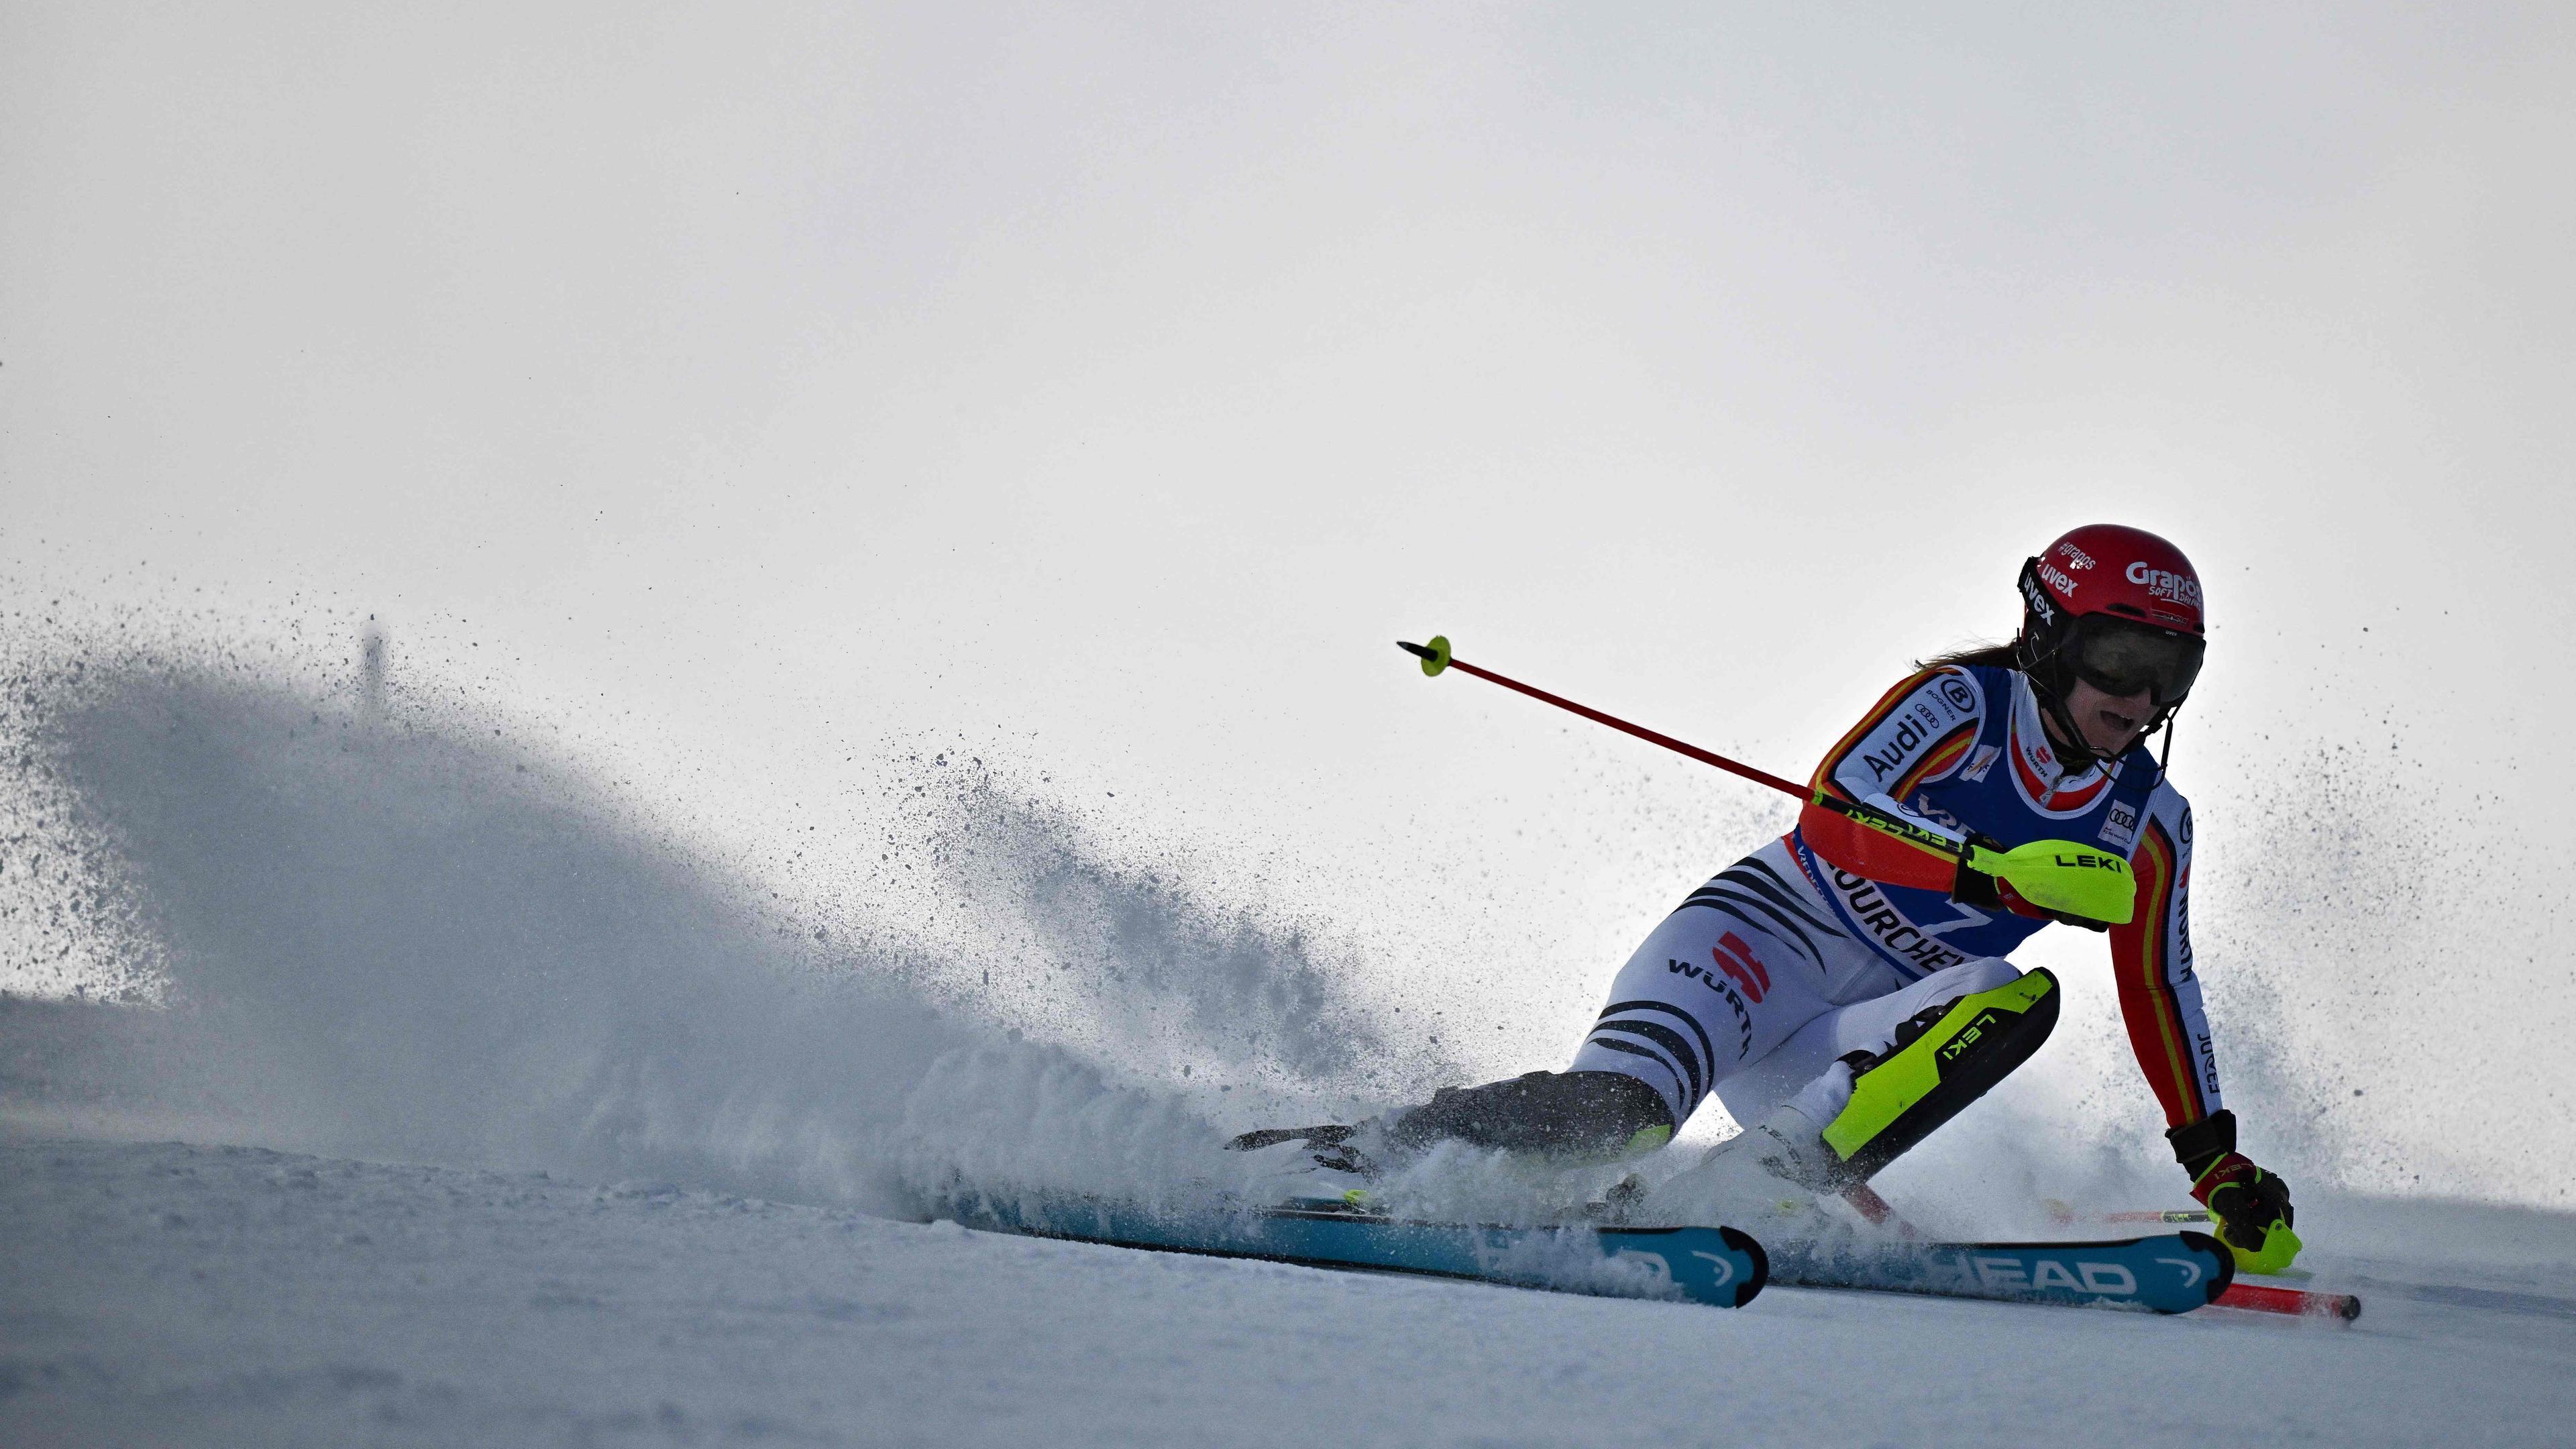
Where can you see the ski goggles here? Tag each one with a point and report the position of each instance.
(2121, 658)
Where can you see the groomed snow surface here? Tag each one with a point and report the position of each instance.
(171, 1294)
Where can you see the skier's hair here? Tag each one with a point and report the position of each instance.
(1993, 656)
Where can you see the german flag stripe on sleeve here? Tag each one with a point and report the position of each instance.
(1937, 762)
(2157, 1032)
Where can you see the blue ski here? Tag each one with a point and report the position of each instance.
(1719, 1266)
(2167, 1273)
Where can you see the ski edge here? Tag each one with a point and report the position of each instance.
(1750, 1284)
(1736, 1238)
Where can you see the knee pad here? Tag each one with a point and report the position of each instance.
(1943, 1059)
(1578, 1114)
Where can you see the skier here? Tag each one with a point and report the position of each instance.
(1845, 988)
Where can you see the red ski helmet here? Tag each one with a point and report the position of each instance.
(2116, 607)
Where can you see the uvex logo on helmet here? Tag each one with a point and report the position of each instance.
(2038, 600)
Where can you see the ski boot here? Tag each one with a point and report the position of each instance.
(1863, 1111)
(1331, 1169)
(1771, 1175)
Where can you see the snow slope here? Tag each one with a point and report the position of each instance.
(162, 1293)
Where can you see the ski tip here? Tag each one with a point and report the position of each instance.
(2224, 1273)
(1751, 1247)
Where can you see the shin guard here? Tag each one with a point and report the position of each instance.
(1940, 1061)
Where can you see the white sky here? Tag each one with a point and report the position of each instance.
(748, 385)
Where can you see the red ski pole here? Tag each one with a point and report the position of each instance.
(2296, 1302)
(2093, 901)
(1435, 657)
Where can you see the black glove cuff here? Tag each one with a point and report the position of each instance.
(1972, 887)
(2198, 1144)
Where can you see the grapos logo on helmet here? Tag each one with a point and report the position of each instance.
(2181, 588)
(2076, 558)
